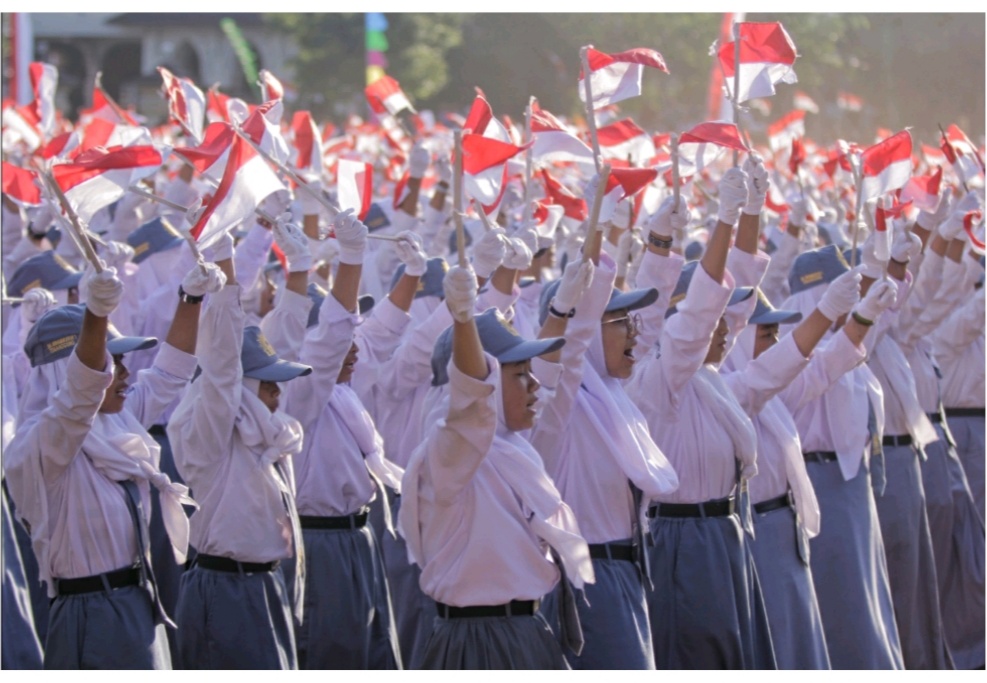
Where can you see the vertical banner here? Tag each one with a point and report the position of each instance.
(375, 24)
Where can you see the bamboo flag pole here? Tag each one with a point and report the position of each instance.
(736, 83)
(675, 170)
(483, 215)
(590, 112)
(526, 214)
(859, 178)
(457, 198)
(76, 233)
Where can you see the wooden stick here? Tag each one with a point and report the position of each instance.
(117, 109)
(736, 82)
(526, 213)
(590, 112)
(675, 170)
(457, 198)
(77, 233)
(859, 177)
(483, 215)
(601, 190)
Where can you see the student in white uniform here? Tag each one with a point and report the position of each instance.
(479, 513)
(234, 448)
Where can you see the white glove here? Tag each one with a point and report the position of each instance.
(969, 202)
(326, 250)
(670, 218)
(905, 246)
(193, 213)
(196, 282)
(757, 184)
(352, 237)
(573, 249)
(310, 205)
(443, 169)
(517, 256)
(459, 286)
(880, 297)
(841, 296)
(733, 195)
(221, 249)
(930, 220)
(37, 301)
(575, 283)
(797, 209)
(103, 291)
(293, 243)
(489, 251)
(418, 161)
(529, 235)
(871, 266)
(412, 254)
(951, 228)
(116, 254)
(624, 244)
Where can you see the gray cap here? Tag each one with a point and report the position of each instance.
(317, 294)
(430, 283)
(766, 314)
(499, 338)
(619, 301)
(152, 238)
(260, 361)
(682, 288)
(56, 333)
(817, 267)
(48, 270)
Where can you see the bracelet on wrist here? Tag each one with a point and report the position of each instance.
(559, 314)
(187, 298)
(862, 320)
(442, 185)
(659, 242)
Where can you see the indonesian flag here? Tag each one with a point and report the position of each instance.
(617, 77)
(394, 134)
(273, 90)
(933, 155)
(103, 133)
(621, 184)
(485, 167)
(264, 128)
(573, 206)
(797, 156)
(775, 200)
(247, 181)
(385, 95)
(923, 191)
(102, 109)
(220, 107)
(554, 142)
(210, 157)
(20, 185)
(849, 102)
(970, 221)
(186, 103)
(354, 184)
(61, 146)
(44, 81)
(21, 124)
(98, 177)
(803, 102)
(767, 55)
(700, 146)
(719, 107)
(625, 139)
(882, 218)
(887, 165)
(787, 128)
(961, 153)
(307, 143)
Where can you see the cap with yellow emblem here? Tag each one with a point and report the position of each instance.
(260, 360)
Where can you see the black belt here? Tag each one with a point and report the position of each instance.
(227, 564)
(514, 608)
(130, 576)
(964, 412)
(357, 521)
(611, 551)
(781, 501)
(711, 508)
(157, 430)
(902, 440)
(820, 456)
(934, 417)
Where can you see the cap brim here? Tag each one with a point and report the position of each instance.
(279, 371)
(740, 294)
(121, 345)
(532, 348)
(633, 300)
(776, 318)
(174, 243)
(68, 281)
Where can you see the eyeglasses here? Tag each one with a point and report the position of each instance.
(632, 323)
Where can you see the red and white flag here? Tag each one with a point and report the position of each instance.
(886, 166)
(971, 221)
(616, 77)
(186, 103)
(354, 185)
(557, 193)
(849, 102)
(61, 146)
(923, 191)
(961, 153)
(246, 182)
(718, 107)
(621, 184)
(44, 82)
(805, 103)
(210, 157)
(784, 130)
(486, 151)
(98, 177)
(933, 156)
(625, 139)
(307, 143)
(21, 124)
(104, 133)
(264, 128)
(21, 185)
(700, 146)
(767, 55)
(220, 107)
(883, 216)
(796, 157)
(385, 95)
(554, 141)
(273, 90)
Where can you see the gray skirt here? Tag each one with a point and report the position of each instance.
(789, 593)
(850, 572)
(348, 620)
(228, 620)
(706, 609)
(911, 564)
(969, 435)
(21, 646)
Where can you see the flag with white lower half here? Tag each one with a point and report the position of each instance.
(718, 107)
(21, 126)
(307, 143)
(263, 126)
(210, 157)
(624, 139)
(885, 211)
(273, 90)
(98, 177)
(104, 133)
(485, 167)
(44, 82)
(849, 102)
(354, 186)
(886, 166)
(186, 103)
(555, 142)
(617, 77)
(701, 145)
(767, 56)
(21, 185)
(961, 153)
(621, 184)
(973, 225)
(805, 103)
(923, 191)
(385, 95)
(573, 207)
(246, 182)
(784, 130)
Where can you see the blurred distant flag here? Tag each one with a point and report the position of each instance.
(849, 102)
(621, 184)
(802, 101)
(971, 222)
(307, 143)
(887, 165)
(263, 126)
(21, 185)
(44, 82)
(767, 56)
(555, 142)
(385, 96)
(782, 131)
(923, 191)
(573, 206)
(886, 209)
(701, 145)
(624, 139)
(617, 77)
(961, 153)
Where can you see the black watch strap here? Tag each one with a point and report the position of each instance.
(188, 298)
(560, 314)
(657, 242)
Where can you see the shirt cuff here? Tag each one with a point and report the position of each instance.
(335, 312)
(465, 390)
(390, 316)
(82, 380)
(749, 269)
(175, 362)
(546, 372)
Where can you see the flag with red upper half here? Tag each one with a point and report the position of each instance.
(21, 185)
(307, 143)
(971, 222)
(61, 146)
(718, 107)
(767, 55)
(99, 176)
(554, 141)
(246, 182)
(616, 77)
(625, 139)
(21, 125)
(849, 102)
(481, 120)
(104, 133)
(782, 131)
(270, 85)
(354, 185)
(44, 82)
(557, 193)
(887, 208)
(803, 102)
(210, 157)
(700, 146)
(933, 156)
(621, 184)
(485, 167)
(186, 103)
(264, 128)
(886, 166)
(385, 95)
(220, 107)
(961, 153)
(923, 191)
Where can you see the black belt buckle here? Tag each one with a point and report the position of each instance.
(819, 456)
(897, 440)
(612, 551)
(514, 608)
(229, 565)
(119, 578)
(784, 500)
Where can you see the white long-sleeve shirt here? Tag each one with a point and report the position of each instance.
(959, 349)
